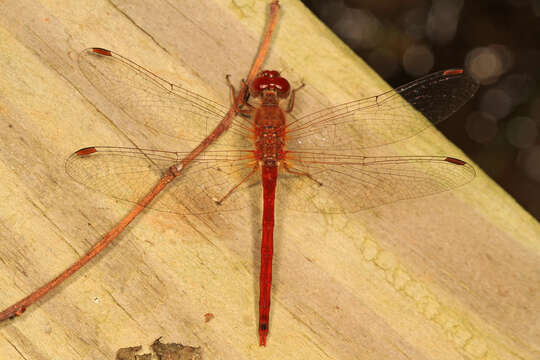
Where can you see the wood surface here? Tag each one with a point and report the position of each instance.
(451, 276)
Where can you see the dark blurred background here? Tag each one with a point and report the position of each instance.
(498, 42)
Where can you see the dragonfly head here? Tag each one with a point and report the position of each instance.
(269, 83)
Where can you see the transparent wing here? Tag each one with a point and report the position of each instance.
(351, 182)
(152, 101)
(337, 183)
(345, 183)
(383, 119)
(130, 173)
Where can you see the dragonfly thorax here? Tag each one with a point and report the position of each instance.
(269, 124)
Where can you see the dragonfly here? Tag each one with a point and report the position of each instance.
(308, 163)
(311, 163)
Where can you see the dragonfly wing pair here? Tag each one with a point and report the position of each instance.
(325, 144)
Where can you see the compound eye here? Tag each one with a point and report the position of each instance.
(259, 84)
(282, 86)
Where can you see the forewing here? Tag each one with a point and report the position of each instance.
(148, 99)
(389, 117)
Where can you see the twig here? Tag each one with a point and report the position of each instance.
(19, 307)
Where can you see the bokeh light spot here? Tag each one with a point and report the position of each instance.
(529, 160)
(443, 19)
(487, 64)
(418, 60)
(496, 102)
(521, 132)
(481, 127)
(360, 28)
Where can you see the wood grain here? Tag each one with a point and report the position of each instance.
(452, 276)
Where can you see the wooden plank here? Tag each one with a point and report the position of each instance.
(446, 277)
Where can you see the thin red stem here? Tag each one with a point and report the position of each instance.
(19, 307)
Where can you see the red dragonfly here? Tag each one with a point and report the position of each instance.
(315, 161)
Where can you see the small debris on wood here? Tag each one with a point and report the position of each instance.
(161, 351)
(129, 353)
(173, 351)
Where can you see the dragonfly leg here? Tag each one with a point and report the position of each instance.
(290, 106)
(233, 91)
(245, 109)
(301, 173)
(246, 97)
(231, 87)
(253, 171)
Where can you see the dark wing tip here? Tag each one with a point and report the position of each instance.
(455, 161)
(86, 151)
(453, 72)
(101, 51)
